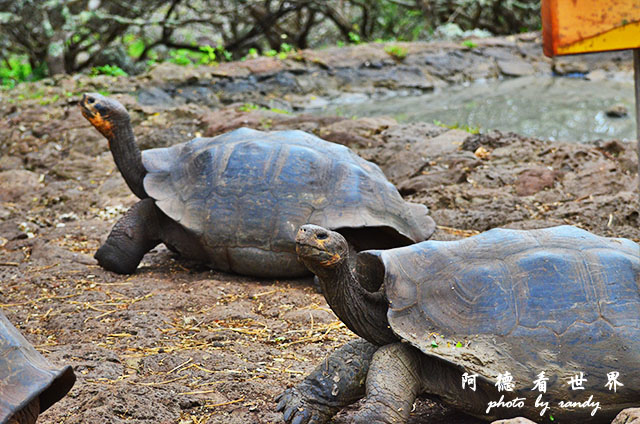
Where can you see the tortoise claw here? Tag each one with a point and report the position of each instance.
(297, 409)
(302, 418)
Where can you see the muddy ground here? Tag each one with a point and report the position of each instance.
(177, 343)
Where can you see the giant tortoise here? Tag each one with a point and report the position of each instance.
(559, 301)
(28, 383)
(235, 202)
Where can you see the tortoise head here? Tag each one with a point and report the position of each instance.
(103, 113)
(318, 247)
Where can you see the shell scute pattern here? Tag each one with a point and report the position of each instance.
(277, 181)
(475, 286)
(559, 299)
(28, 374)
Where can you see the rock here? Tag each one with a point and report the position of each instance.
(410, 148)
(531, 181)
(165, 72)
(199, 95)
(569, 66)
(413, 131)
(490, 141)
(10, 162)
(455, 174)
(628, 416)
(617, 111)
(482, 153)
(263, 65)
(515, 68)
(402, 77)
(154, 96)
(364, 127)
(613, 147)
(346, 57)
(443, 144)
(224, 120)
(596, 75)
(518, 420)
(17, 183)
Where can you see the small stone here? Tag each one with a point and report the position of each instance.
(531, 181)
(482, 153)
(596, 75)
(570, 66)
(515, 68)
(617, 111)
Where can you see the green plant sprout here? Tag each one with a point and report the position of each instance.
(112, 70)
(395, 51)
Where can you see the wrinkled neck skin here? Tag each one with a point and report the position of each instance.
(127, 156)
(363, 312)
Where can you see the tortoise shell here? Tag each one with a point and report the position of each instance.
(244, 194)
(25, 374)
(560, 300)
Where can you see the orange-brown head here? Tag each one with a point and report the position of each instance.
(103, 113)
(319, 247)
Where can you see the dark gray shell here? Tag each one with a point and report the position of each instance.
(25, 374)
(560, 300)
(245, 193)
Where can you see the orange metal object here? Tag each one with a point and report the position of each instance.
(583, 26)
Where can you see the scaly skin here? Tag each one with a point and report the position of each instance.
(133, 235)
(337, 382)
(393, 383)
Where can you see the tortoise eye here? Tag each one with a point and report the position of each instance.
(91, 100)
(322, 236)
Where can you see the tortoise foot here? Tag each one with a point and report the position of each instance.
(371, 416)
(297, 408)
(628, 416)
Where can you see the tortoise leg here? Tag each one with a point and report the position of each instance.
(28, 414)
(393, 383)
(337, 382)
(133, 235)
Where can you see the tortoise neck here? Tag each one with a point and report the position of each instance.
(127, 156)
(363, 312)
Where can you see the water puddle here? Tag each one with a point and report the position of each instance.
(554, 108)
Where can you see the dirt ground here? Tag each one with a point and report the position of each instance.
(178, 343)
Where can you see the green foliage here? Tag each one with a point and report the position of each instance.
(251, 54)
(180, 57)
(398, 23)
(208, 56)
(248, 107)
(36, 29)
(135, 45)
(395, 51)
(285, 51)
(17, 69)
(469, 44)
(112, 70)
(457, 126)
